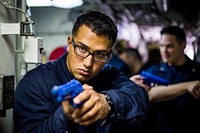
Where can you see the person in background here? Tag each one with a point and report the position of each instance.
(174, 108)
(119, 64)
(115, 59)
(111, 102)
(133, 59)
(154, 58)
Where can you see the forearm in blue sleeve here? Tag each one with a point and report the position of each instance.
(26, 122)
(35, 112)
(131, 105)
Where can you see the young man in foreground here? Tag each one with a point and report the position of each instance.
(110, 101)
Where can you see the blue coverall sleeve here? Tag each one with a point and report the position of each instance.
(131, 104)
(34, 110)
(130, 101)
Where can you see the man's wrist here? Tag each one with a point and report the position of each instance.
(110, 102)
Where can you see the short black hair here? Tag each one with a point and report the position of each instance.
(98, 22)
(178, 32)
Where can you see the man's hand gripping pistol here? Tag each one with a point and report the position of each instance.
(68, 91)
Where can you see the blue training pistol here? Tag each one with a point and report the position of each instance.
(150, 78)
(68, 91)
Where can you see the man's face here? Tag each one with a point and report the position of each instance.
(84, 69)
(171, 51)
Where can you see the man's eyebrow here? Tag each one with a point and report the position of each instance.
(83, 45)
(105, 51)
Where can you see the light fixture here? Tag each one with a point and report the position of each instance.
(55, 3)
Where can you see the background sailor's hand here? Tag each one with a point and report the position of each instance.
(139, 80)
(194, 89)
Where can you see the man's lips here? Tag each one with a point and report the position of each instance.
(84, 72)
(165, 56)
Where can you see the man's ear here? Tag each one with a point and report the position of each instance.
(183, 45)
(69, 42)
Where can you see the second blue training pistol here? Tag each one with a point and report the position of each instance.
(150, 78)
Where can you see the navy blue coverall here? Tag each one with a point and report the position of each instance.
(36, 109)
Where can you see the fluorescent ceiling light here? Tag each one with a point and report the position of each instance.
(55, 3)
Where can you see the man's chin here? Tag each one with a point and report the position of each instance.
(165, 60)
(83, 79)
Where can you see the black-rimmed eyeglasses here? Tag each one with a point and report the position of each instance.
(98, 56)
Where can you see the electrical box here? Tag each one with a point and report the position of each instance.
(6, 92)
(33, 47)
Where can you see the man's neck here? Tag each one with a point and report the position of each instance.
(180, 62)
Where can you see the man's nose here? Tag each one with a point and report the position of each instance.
(87, 62)
(163, 49)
